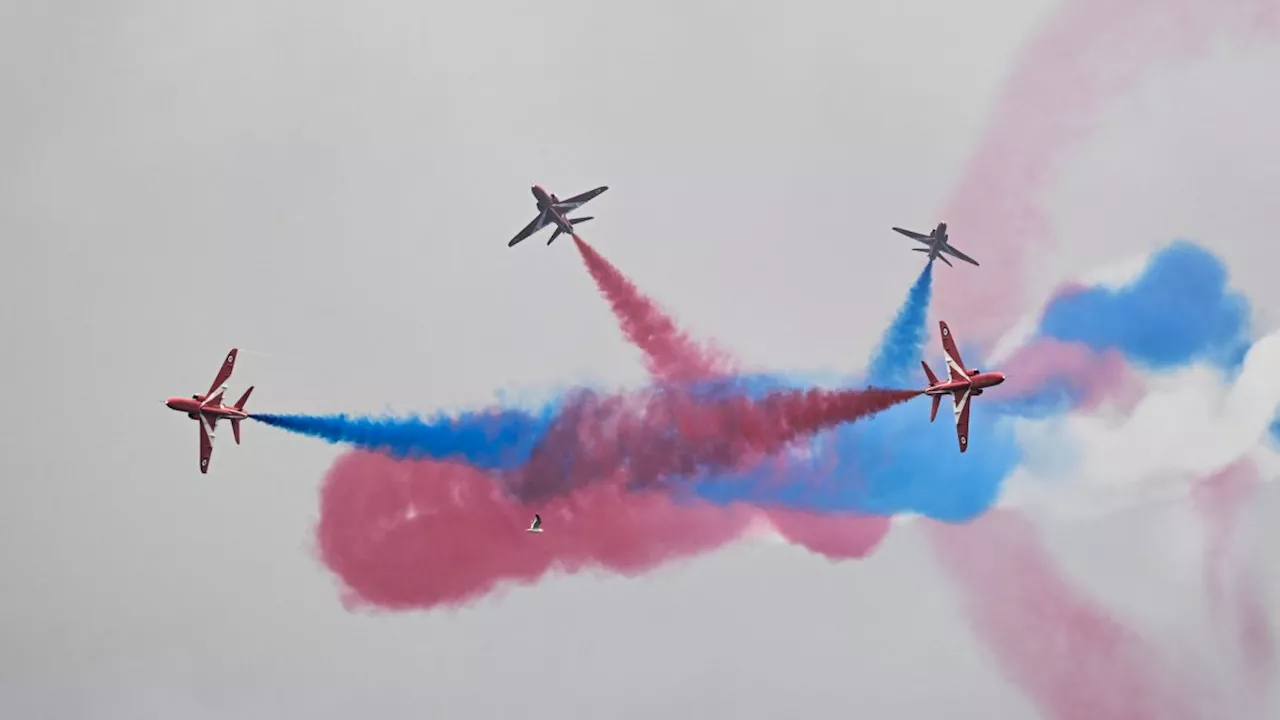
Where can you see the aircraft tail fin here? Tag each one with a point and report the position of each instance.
(933, 379)
(235, 422)
(555, 235)
(575, 221)
(921, 249)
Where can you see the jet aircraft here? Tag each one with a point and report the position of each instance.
(938, 244)
(536, 525)
(962, 384)
(554, 211)
(208, 409)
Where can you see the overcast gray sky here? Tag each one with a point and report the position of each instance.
(332, 187)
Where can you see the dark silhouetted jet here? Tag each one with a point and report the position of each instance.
(553, 211)
(937, 242)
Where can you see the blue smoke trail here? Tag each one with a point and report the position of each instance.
(1178, 311)
(898, 462)
(497, 440)
(901, 345)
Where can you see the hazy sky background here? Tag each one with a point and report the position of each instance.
(332, 186)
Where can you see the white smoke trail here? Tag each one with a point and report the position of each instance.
(1192, 423)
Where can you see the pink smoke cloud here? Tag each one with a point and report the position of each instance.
(1089, 52)
(1236, 592)
(1074, 659)
(422, 534)
(1097, 377)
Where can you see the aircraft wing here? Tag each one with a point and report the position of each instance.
(962, 398)
(206, 444)
(534, 226)
(955, 366)
(224, 372)
(912, 235)
(957, 254)
(578, 201)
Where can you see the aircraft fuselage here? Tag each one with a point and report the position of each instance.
(546, 204)
(543, 197)
(191, 406)
(976, 380)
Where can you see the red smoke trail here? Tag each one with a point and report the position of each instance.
(1236, 593)
(670, 432)
(415, 535)
(1075, 660)
(669, 353)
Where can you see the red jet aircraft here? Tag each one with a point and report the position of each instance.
(208, 409)
(961, 383)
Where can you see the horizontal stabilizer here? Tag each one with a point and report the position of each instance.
(243, 399)
(933, 412)
(235, 426)
(575, 221)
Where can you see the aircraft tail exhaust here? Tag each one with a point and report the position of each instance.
(573, 222)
